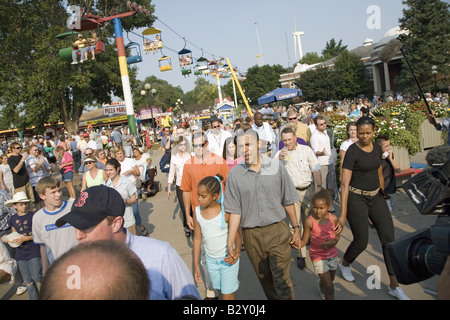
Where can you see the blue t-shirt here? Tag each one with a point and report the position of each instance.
(23, 225)
(73, 145)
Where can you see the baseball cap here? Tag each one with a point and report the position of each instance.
(85, 134)
(92, 206)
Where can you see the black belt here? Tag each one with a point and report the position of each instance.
(303, 189)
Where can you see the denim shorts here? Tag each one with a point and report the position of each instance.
(323, 266)
(224, 277)
(68, 176)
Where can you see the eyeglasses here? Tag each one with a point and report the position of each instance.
(216, 127)
(292, 118)
(88, 154)
(199, 145)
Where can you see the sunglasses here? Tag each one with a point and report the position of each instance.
(88, 154)
(89, 162)
(292, 118)
(199, 145)
(18, 148)
(216, 127)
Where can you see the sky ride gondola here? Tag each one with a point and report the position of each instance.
(186, 60)
(135, 53)
(66, 53)
(165, 63)
(202, 66)
(155, 44)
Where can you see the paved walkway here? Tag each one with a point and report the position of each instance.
(161, 216)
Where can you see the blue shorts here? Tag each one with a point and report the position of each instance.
(224, 277)
(68, 176)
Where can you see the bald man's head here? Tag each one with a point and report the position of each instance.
(99, 270)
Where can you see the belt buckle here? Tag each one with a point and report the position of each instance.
(365, 193)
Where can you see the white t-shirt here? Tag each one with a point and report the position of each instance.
(319, 141)
(126, 189)
(214, 237)
(7, 175)
(216, 142)
(344, 145)
(128, 164)
(57, 240)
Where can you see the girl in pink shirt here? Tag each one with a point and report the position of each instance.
(322, 250)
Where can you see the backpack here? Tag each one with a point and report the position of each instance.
(164, 163)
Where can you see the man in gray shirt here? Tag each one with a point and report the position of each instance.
(127, 143)
(116, 137)
(259, 193)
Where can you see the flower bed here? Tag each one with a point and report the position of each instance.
(400, 121)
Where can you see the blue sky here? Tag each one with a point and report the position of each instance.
(227, 29)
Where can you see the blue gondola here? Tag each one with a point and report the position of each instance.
(135, 53)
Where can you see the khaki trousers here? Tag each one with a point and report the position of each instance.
(303, 209)
(28, 191)
(269, 252)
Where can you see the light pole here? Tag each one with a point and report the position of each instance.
(153, 119)
(147, 87)
(434, 72)
(178, 104)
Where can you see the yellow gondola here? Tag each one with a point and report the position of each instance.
(155, 44)
(165, 64)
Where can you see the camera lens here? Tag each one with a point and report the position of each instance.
(415, 257)
(425, 259)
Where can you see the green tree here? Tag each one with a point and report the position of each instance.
(260, 80)
(201, 97)
(346, 80)
(165, 96)
(320, 83)
(427, 44)
(351, 76)
(332, 49)
(37, 86)
(311, 58)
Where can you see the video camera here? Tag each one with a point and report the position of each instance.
(423, 253)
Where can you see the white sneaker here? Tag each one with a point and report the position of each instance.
(346, 272)
(21, 290)
(398, 293)
(74, 62)
(322, 295)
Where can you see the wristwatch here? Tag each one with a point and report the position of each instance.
(296, 227)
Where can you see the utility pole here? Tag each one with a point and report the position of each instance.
(259, 56)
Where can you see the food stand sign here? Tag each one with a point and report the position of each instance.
(115, 108)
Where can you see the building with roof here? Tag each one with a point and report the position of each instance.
(381, 75)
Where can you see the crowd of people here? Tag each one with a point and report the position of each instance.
(110, 165)
(236, 184)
